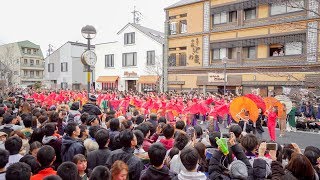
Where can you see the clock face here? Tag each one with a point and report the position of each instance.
(89, 58)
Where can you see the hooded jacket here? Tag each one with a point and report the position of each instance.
(43, 173)
(74, 116)
(157, 174)
(186, 175)
(168, 143)
(91, 109)
(56, 143)
(71, 147)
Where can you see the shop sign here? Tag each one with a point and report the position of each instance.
(130, 74)
(215, 78)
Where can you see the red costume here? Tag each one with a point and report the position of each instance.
(272, 122)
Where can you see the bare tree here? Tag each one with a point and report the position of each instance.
(8, 64)
(155, 69)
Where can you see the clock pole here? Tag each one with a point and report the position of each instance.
(88, 70)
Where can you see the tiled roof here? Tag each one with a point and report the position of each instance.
(182, 3)
(156, 35)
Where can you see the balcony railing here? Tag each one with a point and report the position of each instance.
(29, 65)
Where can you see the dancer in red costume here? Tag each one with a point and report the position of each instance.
(272, 122)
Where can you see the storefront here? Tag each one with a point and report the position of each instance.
(108, 82)
(149, 83)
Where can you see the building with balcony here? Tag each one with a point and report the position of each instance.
(132, 62)
(266, 45)
(23, 62)
(64, 69)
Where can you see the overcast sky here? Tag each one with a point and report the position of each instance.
(55, 22)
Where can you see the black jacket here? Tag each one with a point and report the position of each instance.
(97, 157)
(91, 109)
(157, 174)
(71, 147)
(126, 155)
(259, 127)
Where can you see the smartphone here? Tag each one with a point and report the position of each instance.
(272, 146)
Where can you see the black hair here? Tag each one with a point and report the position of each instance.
(139, 119)
(135, 113)
(70, 128)
(162, 119)
(84, 117)
(18, 170)
(157, 153)
(32, 162)
(236, 129)
(198, 130)
(35, 145)
(52, 177)
(313, 148)
(45, 156)
(127, 124)
(114, 124)
(75, 106)
(168, 131)
(36, 135)
(126, 136)
(181, 141)
(139, 136)
(100, 173)
(93, 130)
(90, 119)
(173, 152)
(13, 145)
(102, 137)
(180, 125)
(249, 142)
(83, 129)
(4, 157)
(212, 138)
(153, 117)
(27, 121)
(49, 129)
(68, 171)
(189, 157)
(144, 128)
(312, 156)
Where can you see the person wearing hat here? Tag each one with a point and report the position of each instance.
(90, 107)
(92, 120)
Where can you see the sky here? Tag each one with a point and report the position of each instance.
(45, 22)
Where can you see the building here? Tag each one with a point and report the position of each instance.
(132, 62)
(64, 69)
(264, 44)
(21, 63)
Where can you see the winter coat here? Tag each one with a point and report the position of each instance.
(167, 143)
(91, 109)
(71, 147)
(56, 143)
(157, 174)
(126, 155)
(114, 143)
(98, 157)
(43, 173)
(74, 116)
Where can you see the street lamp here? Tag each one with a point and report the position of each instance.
(224, 61)
(88, 58)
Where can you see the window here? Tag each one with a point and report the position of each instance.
(232, 53)
(287, 7)
(183, 26)
(220, 18)
(28, 51)
(25, 61)
(292, 48)
(129, 59)
(31, 73)
(219, 53)
(233, 16)
(182, 59)
(172, 61)
(50, 67)
(37, 62)
(15, 72)
(173, 28)
(37, 73)
(151, 59)
(25, 73)
(249, 52)
(250, 13)
(31, 62)
(129, 38)
(64, 67)
(109, 60)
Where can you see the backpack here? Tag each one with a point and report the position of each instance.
(7, 130)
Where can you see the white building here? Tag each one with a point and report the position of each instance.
(132, 62)
(64, 69)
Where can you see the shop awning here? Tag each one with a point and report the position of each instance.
(109, 79)
(148, 79)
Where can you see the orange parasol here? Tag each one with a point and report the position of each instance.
(243, 103)
(271, 102)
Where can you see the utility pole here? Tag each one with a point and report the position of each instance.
(50, 50)
(136, 16)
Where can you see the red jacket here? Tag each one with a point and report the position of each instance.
(146, 144)
(272, 119)
(168, 143)
(43, 173)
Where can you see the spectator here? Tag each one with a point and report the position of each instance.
(180, 125)
(100, 173)
(81, 162)
(119, 171)
(129, 141)
(189, 158)
(162, 120)
(34, 148)
(50, 129)
(25, 145)
(37, 135)
(84, 132)
(145, 129)
(4, 159)
(13, 145)
(46, 156)
(10, 122)
(68, 171)
(114, 134)
(203, 164)
(250, 143)
(90, 107)
(99, 156)
(27, 122)
(181, 141)
(90, 143)
(18, 170)
(74, 114)
(92, 120)
(140, 138)
(3, 138)
(52, 177)
(168, 132)
(32, 162)
(153, 120)
(70, 144)
(237, 131)
(213, 144)
(157, 170)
